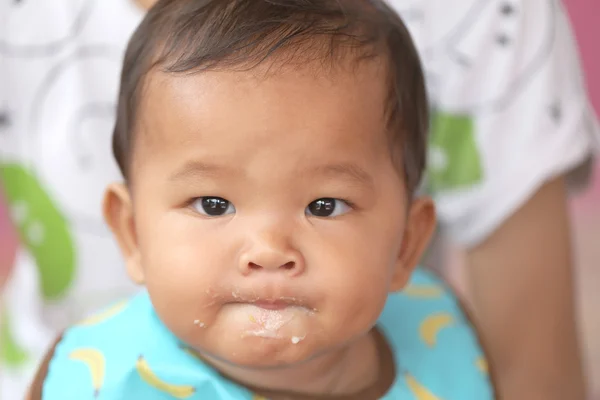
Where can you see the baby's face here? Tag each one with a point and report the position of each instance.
(269, 217)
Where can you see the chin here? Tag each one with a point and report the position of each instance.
(265, 352)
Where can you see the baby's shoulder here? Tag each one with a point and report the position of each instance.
(125, 352)
(435, 342)
(90, 346)
(125, 321)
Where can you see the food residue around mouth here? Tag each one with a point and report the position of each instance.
(268, 323)
(277, 324)
(200, 324)
(297, 339)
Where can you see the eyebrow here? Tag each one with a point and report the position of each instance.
(349, 171)
(346, 170)
(198, 169)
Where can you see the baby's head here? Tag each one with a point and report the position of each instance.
(271, 150)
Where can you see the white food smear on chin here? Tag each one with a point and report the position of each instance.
(268, 323)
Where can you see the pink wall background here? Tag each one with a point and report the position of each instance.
(585, 15)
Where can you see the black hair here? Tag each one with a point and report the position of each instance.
(190, 36)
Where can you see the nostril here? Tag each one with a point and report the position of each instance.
(254, 266)
(288, 265)
(285, 267)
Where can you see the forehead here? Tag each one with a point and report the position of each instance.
(237, 116)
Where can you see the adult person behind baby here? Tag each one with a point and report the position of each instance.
(511, 122)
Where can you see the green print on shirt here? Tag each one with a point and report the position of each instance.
(11, 354)
(454, 159)
(42, 229)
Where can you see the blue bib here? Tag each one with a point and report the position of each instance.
(126, 353)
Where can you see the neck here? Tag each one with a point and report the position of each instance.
(344, 371)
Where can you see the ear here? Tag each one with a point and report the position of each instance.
(420, 225)
(118, 214)
(145, 4)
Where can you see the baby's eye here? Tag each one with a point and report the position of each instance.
(213, 206)
(327, 207)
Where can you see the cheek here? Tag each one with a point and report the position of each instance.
(358, 300)
(177, 244)
(182, 263)
(181, 274)
(356, 266)
(365, 248)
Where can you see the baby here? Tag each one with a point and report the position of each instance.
(271, 151)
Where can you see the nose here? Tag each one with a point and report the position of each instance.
(271, 253)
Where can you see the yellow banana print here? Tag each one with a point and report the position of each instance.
(482, 365)
(420, 391)
(177, 391)
(423, 291)
(257, 397)
(104, 315)
(96, 363)
(431, 326)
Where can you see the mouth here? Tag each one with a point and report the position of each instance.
(272, 317)
(273, 304)
(271, 301)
